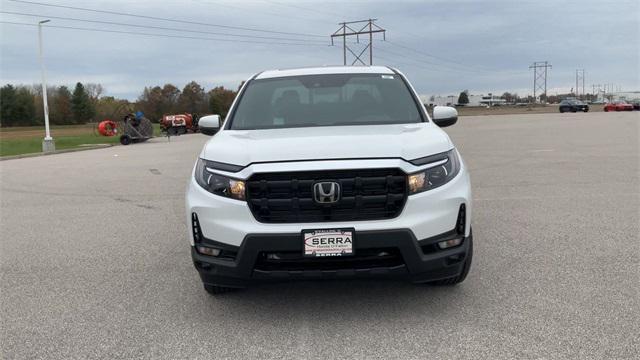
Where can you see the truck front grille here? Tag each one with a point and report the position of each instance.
(362, 259)
(365, 194)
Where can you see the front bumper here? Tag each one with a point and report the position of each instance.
(427, 217)
(417, 260)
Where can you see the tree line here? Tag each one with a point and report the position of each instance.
(21, 105)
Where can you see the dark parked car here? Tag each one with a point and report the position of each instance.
(573, 106)
(636, 104)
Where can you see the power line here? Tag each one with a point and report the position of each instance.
(426, 54)
(360, 29)
(458, 66)
(404, 56)
(158, 27)
(163, 35)
(262, 12)
(413, 65)
(304, 9)
(540, 78)
(166, 19)
(441, 67)
(579, 78)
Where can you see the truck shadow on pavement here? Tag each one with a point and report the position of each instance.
(332, 300)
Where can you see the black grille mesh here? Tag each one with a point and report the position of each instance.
(366, 194)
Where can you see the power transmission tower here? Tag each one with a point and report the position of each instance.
(364, 27)
(579, 81)
(540, 78)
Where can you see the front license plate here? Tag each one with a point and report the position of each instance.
(328, 242)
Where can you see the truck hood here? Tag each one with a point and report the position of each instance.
(407, 141)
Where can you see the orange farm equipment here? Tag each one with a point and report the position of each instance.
(179, 124)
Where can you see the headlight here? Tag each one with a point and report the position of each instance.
(219, 184)
(444, 168)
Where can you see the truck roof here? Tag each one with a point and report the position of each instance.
(324, 70)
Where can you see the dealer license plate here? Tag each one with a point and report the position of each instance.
(328, 242)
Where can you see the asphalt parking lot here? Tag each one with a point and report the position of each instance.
(95, 262)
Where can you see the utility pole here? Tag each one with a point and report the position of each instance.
(357, 28)
(579, 80)
(540, 78)
(48, 145)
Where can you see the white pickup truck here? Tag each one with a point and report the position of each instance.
(329, 172)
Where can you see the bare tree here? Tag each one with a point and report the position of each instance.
(94, 91)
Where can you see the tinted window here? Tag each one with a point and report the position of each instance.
(325, 100)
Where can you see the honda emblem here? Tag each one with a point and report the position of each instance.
(326, 192)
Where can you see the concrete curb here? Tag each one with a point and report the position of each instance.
(12, 157)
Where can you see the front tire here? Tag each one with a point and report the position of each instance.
(217, 290)
(463, 274)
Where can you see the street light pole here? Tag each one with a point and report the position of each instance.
(48, 144)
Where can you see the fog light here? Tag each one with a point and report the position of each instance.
(449, 243)
(208, 251)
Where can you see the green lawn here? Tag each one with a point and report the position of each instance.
(28, 140)
(29, 145)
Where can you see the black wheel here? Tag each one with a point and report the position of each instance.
(606, 109)
(465, 269)
(574, 110)
(172, 131)
(125, 139)
(182, 130)
(561, 110)
(217, 290)
(586, 110)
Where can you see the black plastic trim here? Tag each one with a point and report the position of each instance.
(327, 173)
(430, 159)
(223, 166)
(418, 266)
(416, 162)
(449, 235)
(444, 122)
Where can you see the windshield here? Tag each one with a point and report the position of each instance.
(325, 100)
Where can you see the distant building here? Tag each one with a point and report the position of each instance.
(623, 95)
(452, 100)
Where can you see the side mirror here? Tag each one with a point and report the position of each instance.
(209, 125)
(445, 116)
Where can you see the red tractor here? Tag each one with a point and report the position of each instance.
(179, 124)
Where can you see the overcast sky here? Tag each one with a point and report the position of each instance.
(483, 46)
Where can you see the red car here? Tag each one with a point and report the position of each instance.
(618, 105)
